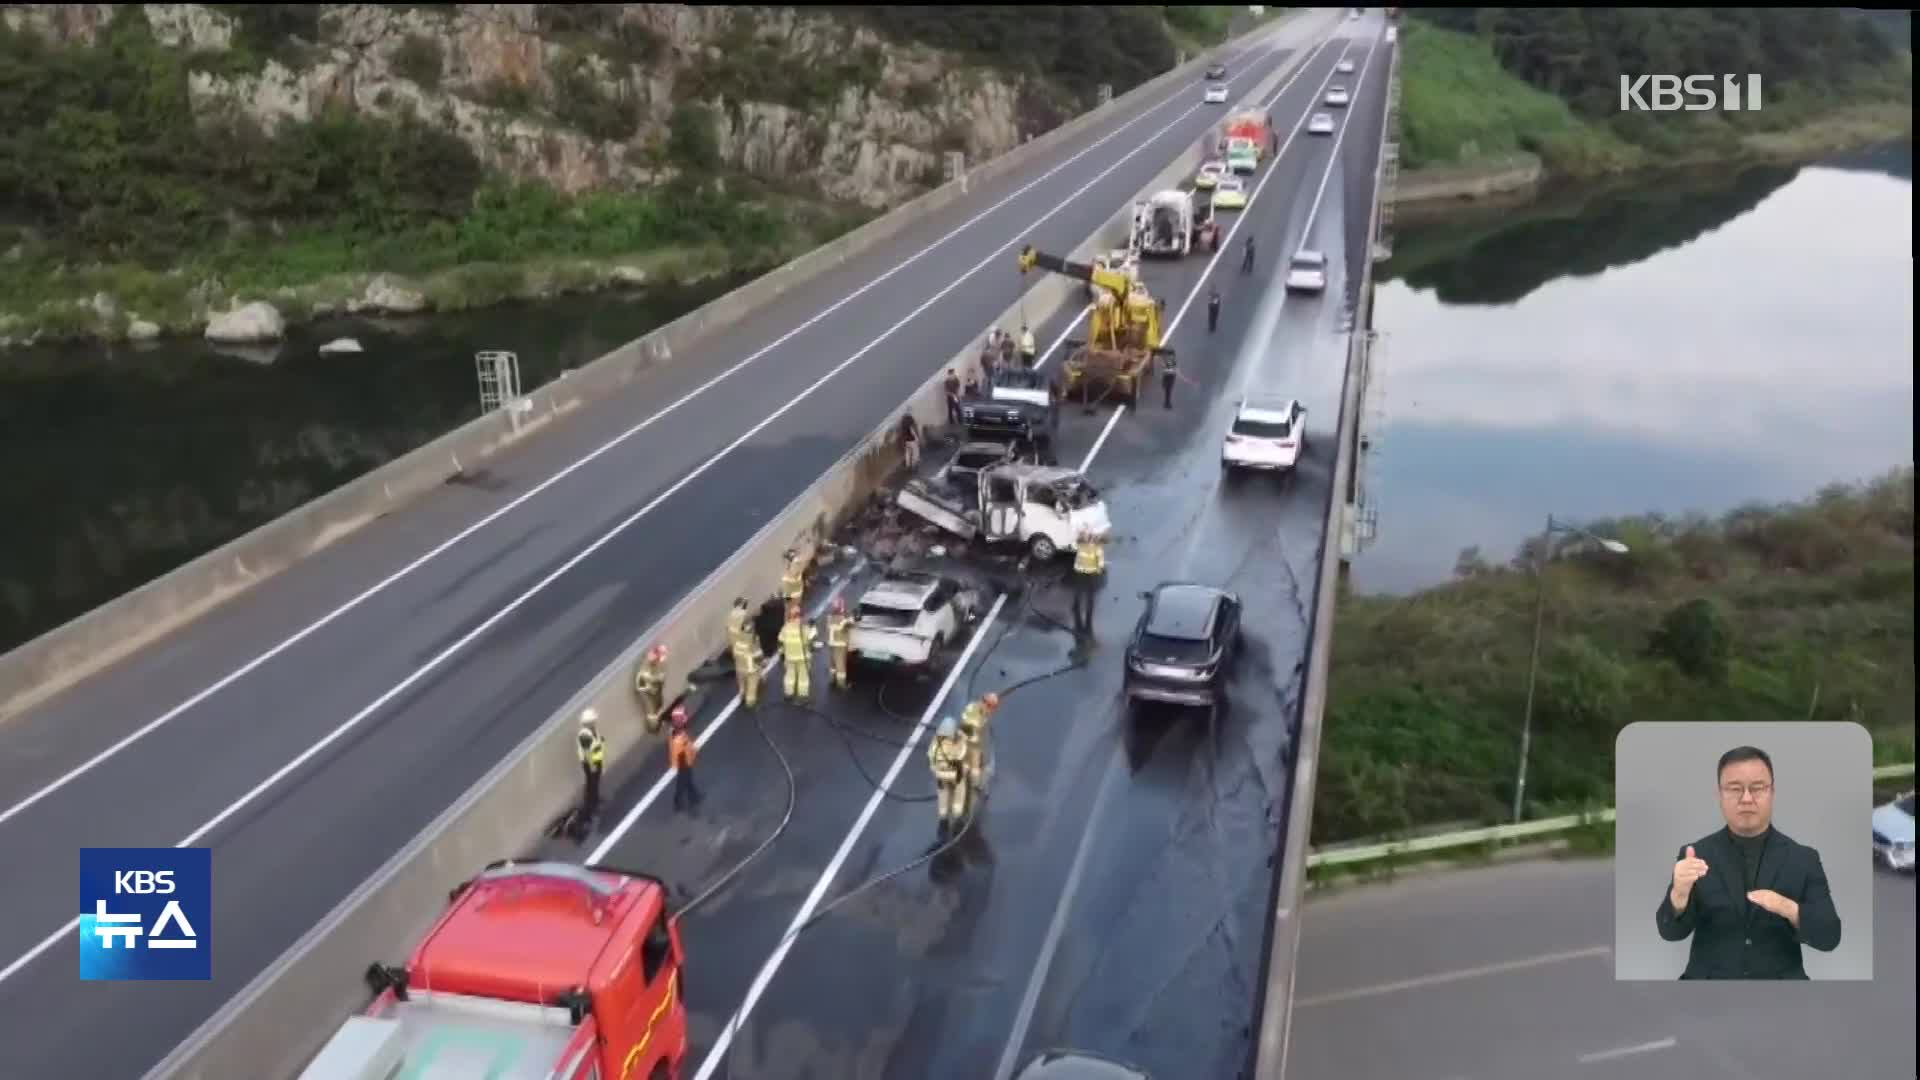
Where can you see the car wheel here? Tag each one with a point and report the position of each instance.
(1043, 549)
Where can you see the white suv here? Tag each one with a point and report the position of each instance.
(1266, 434)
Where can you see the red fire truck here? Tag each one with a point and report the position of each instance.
(537, 970)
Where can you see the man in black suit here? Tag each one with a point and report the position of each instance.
(1749, 895)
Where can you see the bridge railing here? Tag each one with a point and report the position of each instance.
(1274, 1004)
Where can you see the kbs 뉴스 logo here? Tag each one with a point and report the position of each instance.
(146, 914)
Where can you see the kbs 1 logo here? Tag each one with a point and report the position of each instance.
(1692, 93)
(146, 914)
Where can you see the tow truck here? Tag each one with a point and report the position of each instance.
(1123, 338)
(537, 971)
(1176, 222)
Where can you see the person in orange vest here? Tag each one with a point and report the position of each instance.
(681, 751)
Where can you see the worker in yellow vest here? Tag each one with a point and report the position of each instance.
(947, 758)
(839, 640)
(649, 685)
(973, 726)
(1089, 567)
(593, 759)
(797, 642)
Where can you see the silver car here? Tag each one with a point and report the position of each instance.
(1321, 124)
(1893, 834)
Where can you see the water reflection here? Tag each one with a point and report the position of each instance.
(125, 461)
(1657, 350)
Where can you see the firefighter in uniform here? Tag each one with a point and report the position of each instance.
(947, 758)
(839, 640)
(973, 727)
(1089, 566)
(797, 640)
(1029, 349)
(593, 759)
(793, 580)
(746, 651)
(649, 683)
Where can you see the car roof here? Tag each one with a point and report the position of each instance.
(1274, 409)
(1078, 1065)
(1305, 255)
(1183, 610)
(1232, 182)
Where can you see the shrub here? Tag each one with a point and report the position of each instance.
(691, 140)
(1693, 635)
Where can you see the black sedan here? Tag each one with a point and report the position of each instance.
(1217, 71)
(1182, 644)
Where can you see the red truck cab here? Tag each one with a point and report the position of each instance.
(537, 970)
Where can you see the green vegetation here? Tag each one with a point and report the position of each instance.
(108, 182)
(1769, 613)
(1483, 83)
(1458, 105)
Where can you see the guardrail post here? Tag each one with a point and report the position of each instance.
(956, 168)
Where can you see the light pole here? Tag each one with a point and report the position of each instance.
(1539, 620)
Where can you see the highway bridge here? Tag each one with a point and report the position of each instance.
(309, 727)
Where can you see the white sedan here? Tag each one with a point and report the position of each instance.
(1344, 67)
(1321, 124)
(1216, 94)
(1307, 272)
(1337, 96)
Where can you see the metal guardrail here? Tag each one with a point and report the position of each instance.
(1347, 856)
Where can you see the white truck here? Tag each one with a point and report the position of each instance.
(1175, 222)
(1043, 507)
(906, 619)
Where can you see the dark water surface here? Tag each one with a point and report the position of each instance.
(124, 461)
(1692, 344)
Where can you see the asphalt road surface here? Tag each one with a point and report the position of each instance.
(435, 655)
(1505, 973)
(1112, 897)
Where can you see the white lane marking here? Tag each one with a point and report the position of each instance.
(492, 620)
(717, 1055)
(1667, 1043)
(700, 742)
(1023, 1019)
(1333, 159)
(1087, 462)
(440, 549)
(652, 794)
(1225, 241)
(1444, 977)
(1359, 86)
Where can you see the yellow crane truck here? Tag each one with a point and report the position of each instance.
(1123, 338)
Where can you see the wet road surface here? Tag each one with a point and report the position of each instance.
(308, 771)
(1506, 973)
(1112, 894)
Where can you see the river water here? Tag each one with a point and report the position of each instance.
(123, 462)
(1694, 344)
(1685, 345)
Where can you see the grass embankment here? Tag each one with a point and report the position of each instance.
(111, 183)
(1463, 112)
(1785, 613)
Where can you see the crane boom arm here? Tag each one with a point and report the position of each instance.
(1115, 283)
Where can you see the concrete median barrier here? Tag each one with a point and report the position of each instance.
(38, 668)
(275, 1024)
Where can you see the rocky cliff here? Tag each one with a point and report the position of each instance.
(594, 96)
